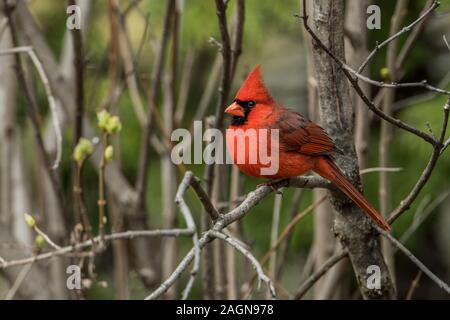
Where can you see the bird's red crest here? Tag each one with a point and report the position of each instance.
(253, 88)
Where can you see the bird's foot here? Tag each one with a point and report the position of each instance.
(274, 184)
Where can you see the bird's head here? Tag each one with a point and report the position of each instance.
(252, 98)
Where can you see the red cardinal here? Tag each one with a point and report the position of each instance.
(302, 144)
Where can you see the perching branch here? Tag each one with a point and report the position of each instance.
(252, 199)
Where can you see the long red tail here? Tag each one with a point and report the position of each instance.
(329, 170)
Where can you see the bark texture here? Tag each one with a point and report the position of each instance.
(352, 227)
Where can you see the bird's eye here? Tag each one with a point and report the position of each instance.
(251, 103)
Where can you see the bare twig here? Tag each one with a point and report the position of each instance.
(261, 276)
(414, 285)
(416, 261)
(274, 231)
(88, 243)
(32, 108)
(184, 87)
(78, 62)
(284, 234)
(204, 199)
(379, 169)
(396, 35)
(294, 207)
(237, 36)
(348, 71)
(20, 278)
(46, 238)
(335, 258)
(446, 42)
(422, 215)
(252, 199)
(144, 160)
(51, 100)
(438, 145)
(179, 199)
(438, 148)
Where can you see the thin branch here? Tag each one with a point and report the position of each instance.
(51, 100)
(144, 160)
(412, 38)
(78, 62)
(261, 276)
(46, 238)
(437, 151)
(416, 261)
(252, 199)
(446, 42)
(288, 230)
(179, 200)
(238, 36)
(32, 107)
(132, 234)
(422, 215)
(346, 69)
(396, 35)
(414, 285)
(335, 258)
(274, 231)
(379, 169)
(204, 199)
(20, 278)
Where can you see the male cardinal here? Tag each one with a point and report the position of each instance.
(302, 144)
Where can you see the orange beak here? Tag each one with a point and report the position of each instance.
(235, 110)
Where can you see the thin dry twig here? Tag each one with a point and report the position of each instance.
(446, 42)
(349, 73)
(422, 215)
(144, 160)
(438, 144)
(438, 148)
(414, 285)
(48, 90)
(396, 35)
(252, 199)
(179, 200)
(235, 244)
(19, 280)
(444, 286)
(379, 169)
(132, 234)
(284, 234)
(46, 238)
(335, 258)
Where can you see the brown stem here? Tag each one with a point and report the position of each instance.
(101, 189)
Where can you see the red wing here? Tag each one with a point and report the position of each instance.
(300, 134)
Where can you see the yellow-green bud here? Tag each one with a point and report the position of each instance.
(113, 125)
(29, 220)
(39, 242)
(103, 118)
(384, 73)
(109, 153)
(82, 149)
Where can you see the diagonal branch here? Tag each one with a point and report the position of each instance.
(416, 261)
